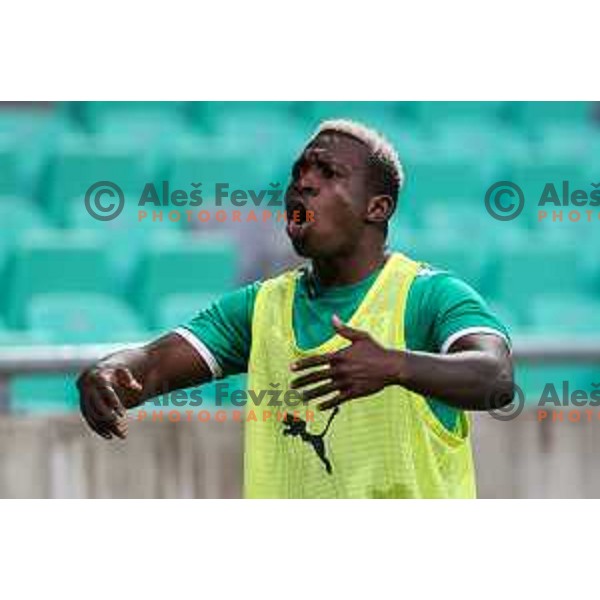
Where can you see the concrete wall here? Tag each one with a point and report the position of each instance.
(60, 458)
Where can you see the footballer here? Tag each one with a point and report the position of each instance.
(388, 353)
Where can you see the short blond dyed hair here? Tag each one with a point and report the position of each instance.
(381, 150)
(388, 177)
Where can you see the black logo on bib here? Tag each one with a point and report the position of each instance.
(297, 427)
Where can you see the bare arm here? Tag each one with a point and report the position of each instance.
(476, 374)
(128, 378)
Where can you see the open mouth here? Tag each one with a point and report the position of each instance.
(296, 212)
(297, 219)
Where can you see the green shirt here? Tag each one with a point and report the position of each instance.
(440, 309)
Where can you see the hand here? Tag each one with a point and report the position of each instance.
(361, 369)
(104, 393)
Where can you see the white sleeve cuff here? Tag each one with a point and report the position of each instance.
(468, 331)
(202, 350)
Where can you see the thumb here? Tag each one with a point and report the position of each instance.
(347, 332)
(127, 380)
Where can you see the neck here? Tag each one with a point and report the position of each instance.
(349, 269)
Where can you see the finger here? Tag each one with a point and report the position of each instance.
(112, 400)
(312, 377)
(120, 428)
(105, 408)
(345, 331)
(93, 412)
(334, 402)
(319, 391)
(311, 361)
(127, 380)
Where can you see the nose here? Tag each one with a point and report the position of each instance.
(305, 184)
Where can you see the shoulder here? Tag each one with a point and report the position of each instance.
(442, 307)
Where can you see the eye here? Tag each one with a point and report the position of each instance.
(328, 171)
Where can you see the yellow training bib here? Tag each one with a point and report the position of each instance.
(388, 445)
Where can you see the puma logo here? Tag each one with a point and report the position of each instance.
(297, 427)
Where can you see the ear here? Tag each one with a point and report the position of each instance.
(379, 209)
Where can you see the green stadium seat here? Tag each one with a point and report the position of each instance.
(534, 266)
(515, 321)
(380, 115)
(565, 314)
(207, 266)
(469, 220)
(17, 215)
(95, 116)
(532, 177)
(126, 236)
(432, 113)
(261, 128)
(36, 394)
(530, 114)
(207, 116)
(47, 261)
(78, 318)
(67, 319)
(10, 181)
(440, 180)
(557, 141)
(177, 309)
(559, 315)
(533, 379)
(442, 251)
(489, 143)
(79, 162)
(195, 161)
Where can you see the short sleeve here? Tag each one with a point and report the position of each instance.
(449, 308)
(222, 333)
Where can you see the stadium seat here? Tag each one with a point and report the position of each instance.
(53, 261)
(194, 161)
(207, 266)
(440, 180)
(95, 117)
(10, 183)
(262, 128)
(126, 236)
(565, 314)
(177, 309)
(17, 215)
(532, 176)
(79, 162)
(468, 220)
(530, 114)
(559, 315)
(488, 142)
(556, 141)
(432, 113)
(533, 266)
(74, 318)
(442, 251)
(38, 393)
(379, 115)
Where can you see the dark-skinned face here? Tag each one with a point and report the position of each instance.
(329, 181)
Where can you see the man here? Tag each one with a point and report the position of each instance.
(389, 352)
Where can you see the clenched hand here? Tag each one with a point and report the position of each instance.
(104, 395)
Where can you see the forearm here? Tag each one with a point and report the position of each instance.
(468, 380)
(160, 367)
